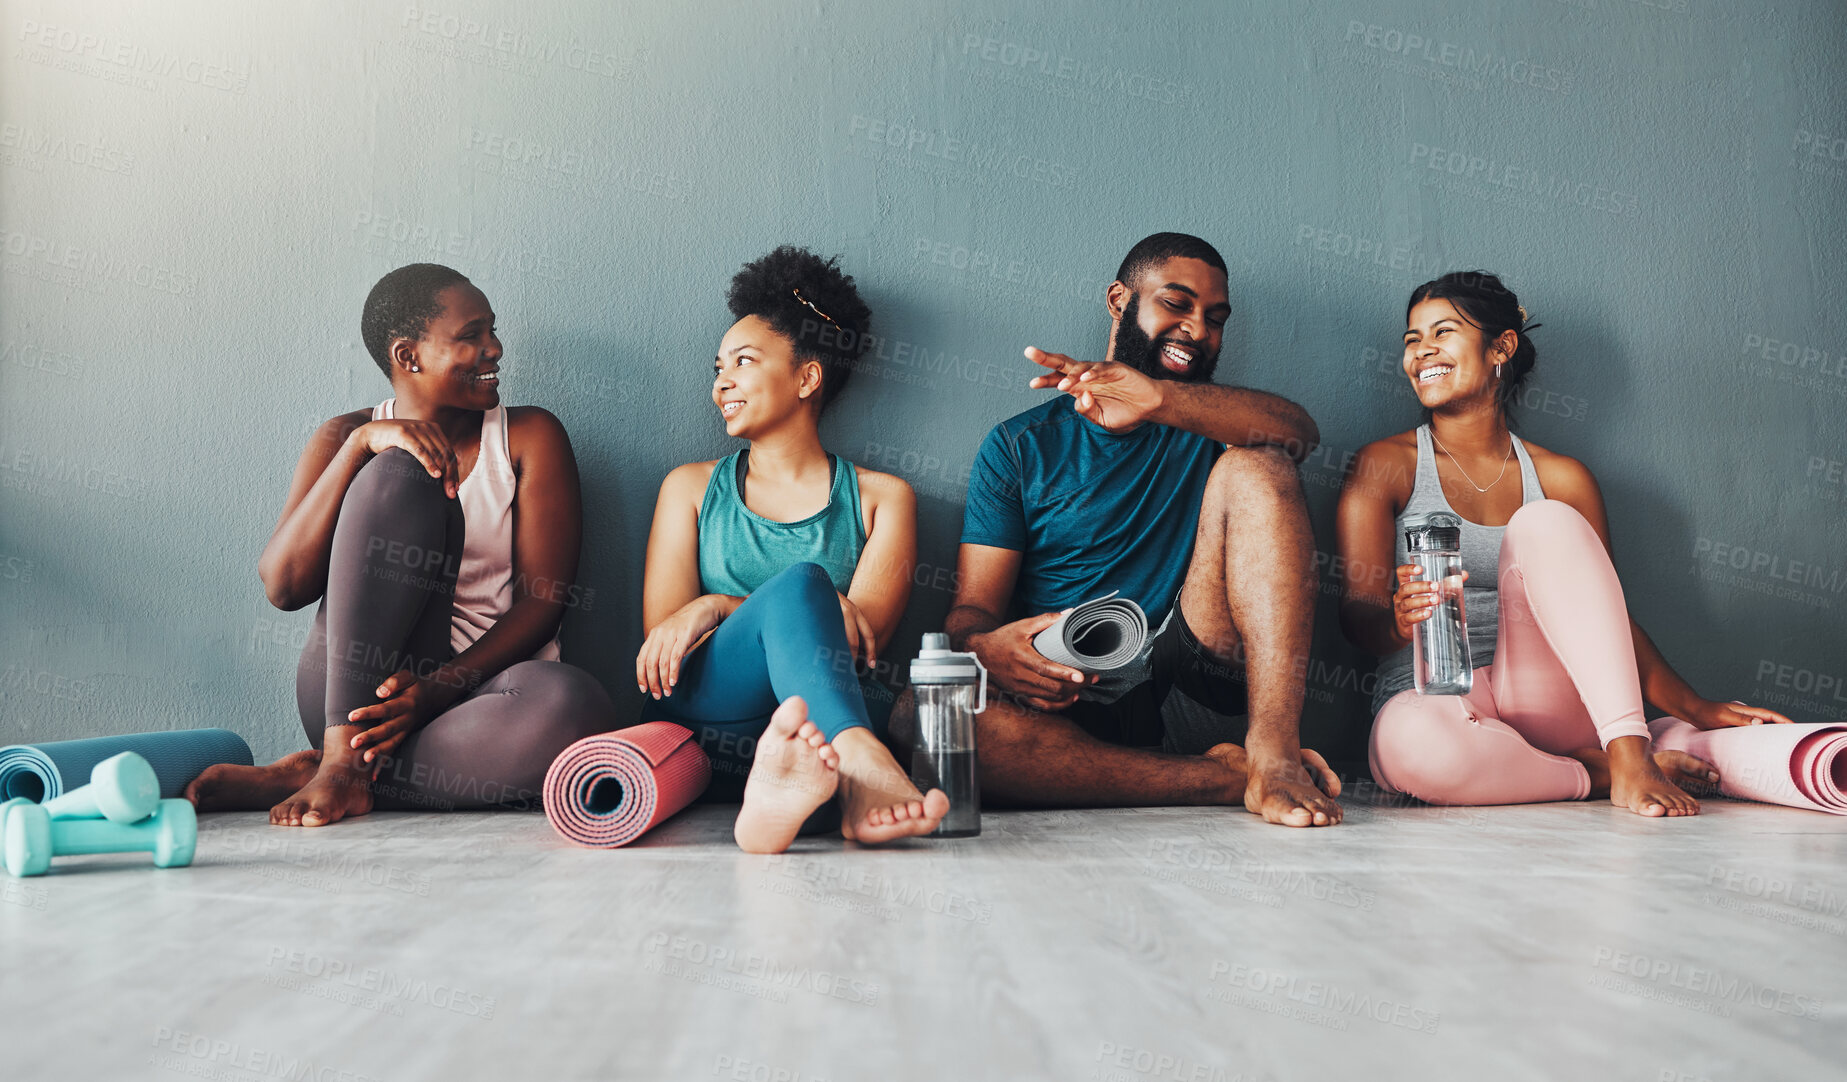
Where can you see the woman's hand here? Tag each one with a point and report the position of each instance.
(424, 439)
(1707, 714)
(410, 704)
(1415, 598)
(861, 642)
(657, 666)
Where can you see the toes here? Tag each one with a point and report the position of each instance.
(935, 804)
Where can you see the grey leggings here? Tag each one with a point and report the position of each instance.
(390, 586)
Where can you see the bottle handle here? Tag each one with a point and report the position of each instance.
(981, 698)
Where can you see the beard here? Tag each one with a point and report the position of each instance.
(1142, 353)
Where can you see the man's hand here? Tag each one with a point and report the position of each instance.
(1109, 394)
(1021, 670)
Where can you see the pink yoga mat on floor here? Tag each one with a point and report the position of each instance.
(1801, 765)
(607, 790)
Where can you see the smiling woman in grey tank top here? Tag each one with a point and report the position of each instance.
(1563, 677)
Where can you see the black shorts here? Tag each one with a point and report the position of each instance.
(1210, 706)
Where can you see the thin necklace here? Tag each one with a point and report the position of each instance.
(1508, 457)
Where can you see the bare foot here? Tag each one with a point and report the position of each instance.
(1637, 783)
(340, 789)
(1297, 794)
(1236, 760)
(793, 772)
(878, 803)
(1687, 771)
(231, 787)
(1671, 769)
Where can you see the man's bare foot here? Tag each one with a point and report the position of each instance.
(793, 772)
(1237, 761)
(878, 803)
(231, 787)
(1296, 794)
(1680, 769)
(340, 789)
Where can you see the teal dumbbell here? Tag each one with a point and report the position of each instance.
(122, 789)
(30, 837)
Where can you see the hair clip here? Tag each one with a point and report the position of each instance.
(1523, 316)
(798, 296)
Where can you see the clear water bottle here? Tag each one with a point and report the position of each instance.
(1440, 644)
(943, 751)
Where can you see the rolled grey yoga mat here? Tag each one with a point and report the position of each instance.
(1103, 633)
(43, 771)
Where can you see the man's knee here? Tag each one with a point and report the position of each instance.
(1255, 470)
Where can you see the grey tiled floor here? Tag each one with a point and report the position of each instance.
(1567, 941)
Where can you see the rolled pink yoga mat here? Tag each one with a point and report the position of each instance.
(607, 790)
(1801, 766)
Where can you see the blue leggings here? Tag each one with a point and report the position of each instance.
(787, 638)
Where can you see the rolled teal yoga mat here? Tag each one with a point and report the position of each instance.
(42, 771)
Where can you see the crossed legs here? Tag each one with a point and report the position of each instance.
(1253, 532)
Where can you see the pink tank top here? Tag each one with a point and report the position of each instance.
(484, 582)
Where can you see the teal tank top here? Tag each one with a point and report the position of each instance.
(739, 550)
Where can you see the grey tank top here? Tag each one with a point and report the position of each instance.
(1481, 558)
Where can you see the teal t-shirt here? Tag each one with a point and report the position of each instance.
(739, 550)
(1088, 510)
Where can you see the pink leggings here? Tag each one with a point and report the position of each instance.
(1563, 679)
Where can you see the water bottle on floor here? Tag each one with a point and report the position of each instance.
(1440, 645)
(943, 751)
